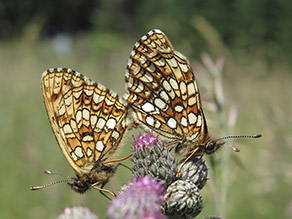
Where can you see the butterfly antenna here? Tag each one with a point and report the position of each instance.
(33, 188)
(59, 174)
(239, 136)
(68, 178)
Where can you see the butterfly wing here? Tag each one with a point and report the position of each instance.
(163, 91)
(87, 119)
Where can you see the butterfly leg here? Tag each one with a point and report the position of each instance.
(102, 190)
(123, 165)
(117, 160)
(179, 169)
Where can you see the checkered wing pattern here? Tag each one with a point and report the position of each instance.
(87, 119)
(163, 92)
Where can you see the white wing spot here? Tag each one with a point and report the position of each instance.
(74, 156)
(139, 116)
(78, 116)
(124, 123)
(150, 120)
(180, 55)
(62, 110)
(73, 125)
(77, 94)
(142, 59)
(87, 138)
(88, 152)
(157, 124)
(78, 152)
(108, 102)
(192, 118)
(115, 135)
(130, 62)
(88, 92)
(199, 121)
(191, 89)
(151, 68)
(166, 85)
(97, 98)
(164, 96)
(173, 83)
(147, 78)
(184, 121)
(85, 115)
(136, 69)
(150, 56)
(178, 108)
(192, 100)
(67, 129)
(172, 123)
(148, 107)
(68, 101)
(194, 136)
(100, 124)
(99, 146)
(160, 62)
(160, 104)
(172, 62)
(183, 67)
(183, 88)
(133, 51)
(93, 120)
(111, 123)
(140, 87)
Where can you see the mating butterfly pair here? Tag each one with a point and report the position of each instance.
(90, 120)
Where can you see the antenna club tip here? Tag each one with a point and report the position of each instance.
(32, 188)
(47, 172)
(236, 149)
(258, 136)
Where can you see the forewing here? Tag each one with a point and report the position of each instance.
(162, 89)
(88, 120)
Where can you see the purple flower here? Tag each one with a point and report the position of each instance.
(145, 139)
(142, 198)
(151, 157)
(77, 212)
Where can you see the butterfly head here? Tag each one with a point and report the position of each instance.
(212, 146)
(79, 185)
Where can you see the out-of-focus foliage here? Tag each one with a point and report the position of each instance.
(51, 16)
(266, 21)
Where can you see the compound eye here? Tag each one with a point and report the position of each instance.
(210, 147)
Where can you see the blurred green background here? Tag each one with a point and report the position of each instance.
(95, 38)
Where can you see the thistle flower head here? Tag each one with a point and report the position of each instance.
(151, 157)
(77, 212)
(141, 199)
(194, 170)
(182, 200)
(144, 140)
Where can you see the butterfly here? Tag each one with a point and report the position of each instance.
(164, 95)
(88, 121)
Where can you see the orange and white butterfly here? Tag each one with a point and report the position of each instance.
(88, 121)
(165, 97)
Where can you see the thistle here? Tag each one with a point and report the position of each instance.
(181, 197)
(77, 212)
(182, 200)
(194, 170)
(142, 198)
(151, 157)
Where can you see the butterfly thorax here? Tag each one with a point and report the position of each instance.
(98, 175)
(202, 145)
